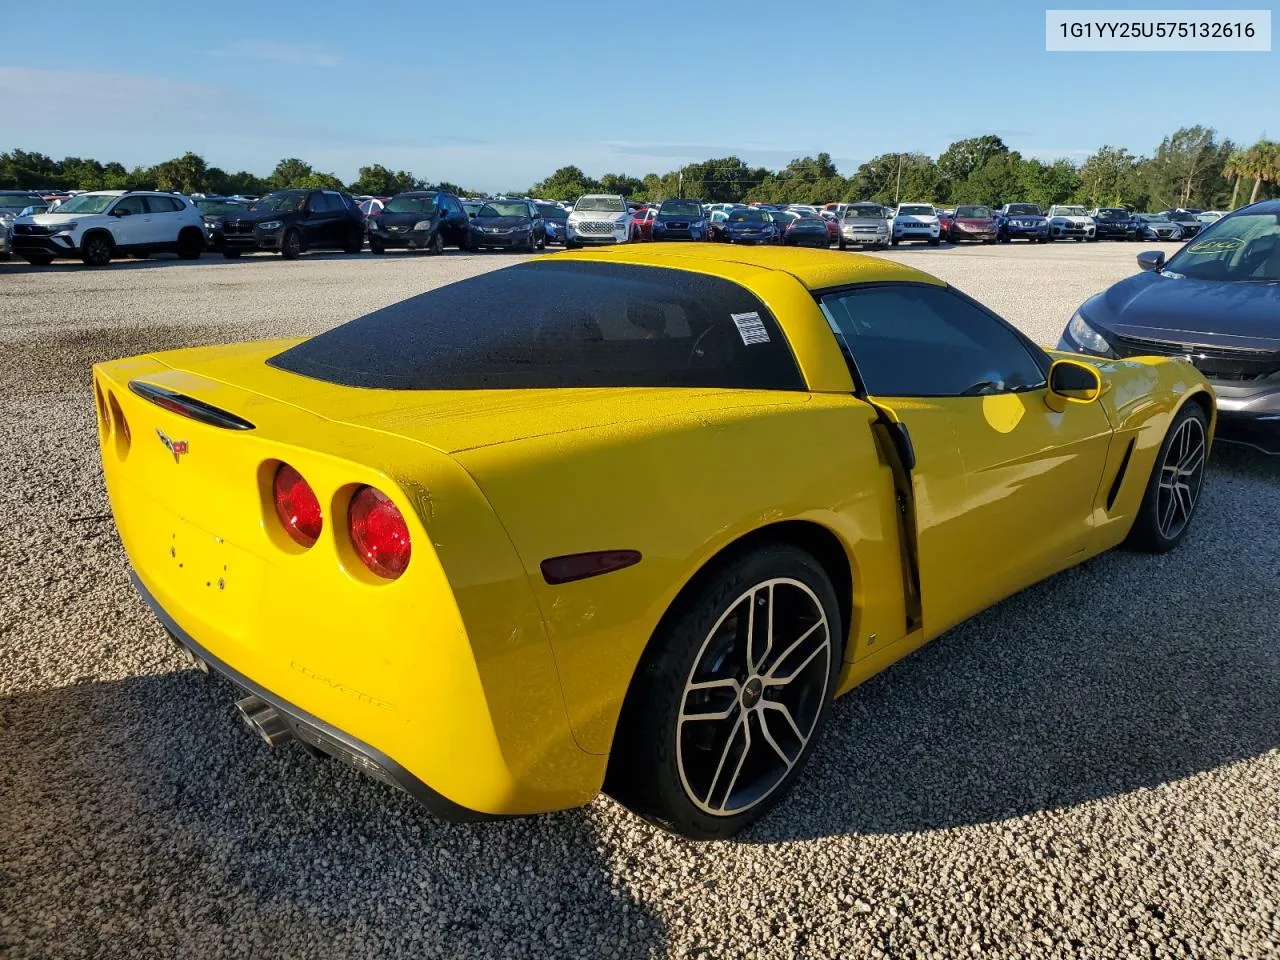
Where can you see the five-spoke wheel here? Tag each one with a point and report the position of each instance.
(1173, 490)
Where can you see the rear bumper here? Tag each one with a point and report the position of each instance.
(313, 731)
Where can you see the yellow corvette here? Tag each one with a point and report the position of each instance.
(625, 519)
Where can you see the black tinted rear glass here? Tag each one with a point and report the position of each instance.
(560, 324)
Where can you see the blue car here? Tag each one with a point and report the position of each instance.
(1022, 221)
(554, 218)
(679, 219)
(745, 225)
(1215, 303)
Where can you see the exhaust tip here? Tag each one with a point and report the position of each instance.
(262, 718)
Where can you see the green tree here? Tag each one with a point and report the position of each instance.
(288, 173)
(997, 180)
(185, 174)
(963, 157)
(1109, 178)
(1234, 170)
(1187, 169)
(319, 181)
(378, 181)
(567, 183)
(623, 184)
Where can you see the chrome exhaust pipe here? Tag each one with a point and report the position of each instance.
(263, 720)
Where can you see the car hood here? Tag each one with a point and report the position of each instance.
(863, 221)
(1203, 312)
(1072, 218)
(682, 217)
(501, 222)
(255, 216)
(747, 225)
(53, 219)
(975, 221)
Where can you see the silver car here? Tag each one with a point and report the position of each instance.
(865, 224)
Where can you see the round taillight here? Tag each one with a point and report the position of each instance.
(379, 533)
(297, 506)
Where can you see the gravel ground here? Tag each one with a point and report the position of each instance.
(1089, 769)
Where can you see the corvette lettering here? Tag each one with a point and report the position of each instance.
(176, 447)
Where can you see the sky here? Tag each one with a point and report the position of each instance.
(496, 94)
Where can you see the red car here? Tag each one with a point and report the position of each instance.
(975, 223)
(642, 223)
(944, 222)
(833, 225)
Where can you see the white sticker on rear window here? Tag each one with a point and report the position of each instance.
(750, 328)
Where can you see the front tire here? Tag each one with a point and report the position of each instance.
(934, 241)
(437, 245)
(291, 246)
(97, 251)
(730, 696)
(37, 259)
(1173, 489)
(231, 254)
(190, 244)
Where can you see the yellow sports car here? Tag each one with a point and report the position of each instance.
(625, 519)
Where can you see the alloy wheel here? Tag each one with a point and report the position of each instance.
(753, 697)
(1181, 476)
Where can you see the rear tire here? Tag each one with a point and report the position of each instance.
(1173, 489)
(355, 241)
(707, 694)
(376, 247)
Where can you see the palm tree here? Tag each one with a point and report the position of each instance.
(1263, 165)
(1233, 171)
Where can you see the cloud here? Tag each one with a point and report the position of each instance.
(294, 54)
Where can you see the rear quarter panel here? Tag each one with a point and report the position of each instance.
(680, 491)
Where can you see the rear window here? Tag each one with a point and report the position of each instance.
(566, 324)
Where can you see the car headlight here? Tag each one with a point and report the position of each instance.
(65, 228)
(270, 225)
(422, 225)
(1088, 338)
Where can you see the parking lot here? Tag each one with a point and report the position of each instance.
(1089, 768)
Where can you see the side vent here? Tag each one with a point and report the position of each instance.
(1115, 484)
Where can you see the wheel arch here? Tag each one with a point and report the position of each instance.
(819, 541)
(98, 231)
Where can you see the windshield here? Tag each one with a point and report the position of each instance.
(1024, 210)
(784, 216)
(1181, 216)
(1112, 213)
(974, 213)
(916, 210)
(1153, 217)
(601, 205)
(747, 216)
(1239, 248)
(87, 203)
(504, 208)
(680, 208)
(280, 203)
(472, 207)
(409, 203)
(216, 208)
(1069, 212)
(16, 202)
(551, 212)
(864, 213)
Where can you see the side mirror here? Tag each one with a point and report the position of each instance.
(1151, 259)
(118, 212)
(1072, 381)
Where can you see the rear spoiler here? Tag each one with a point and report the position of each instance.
(189, 407)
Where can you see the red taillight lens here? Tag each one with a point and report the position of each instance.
(379, 533)
(297, 506)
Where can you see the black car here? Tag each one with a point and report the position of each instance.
(679, 219)
(555, 220)
(1187, 220)
(421, 220)
(807, 232)
(294, 221)
(1216, 302)
(509, 223)
(216, 209)
(1025, 220)
(1113, 223)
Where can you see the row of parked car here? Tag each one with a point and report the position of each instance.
(97, 226)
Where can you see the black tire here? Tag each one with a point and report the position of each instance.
(1079, 239)
(893, 242)
(843, 245)
(355, 240)
(37, 259)
(231, 254)
(934, 241)
(436, 246)
(1152, 532)
(376, 247)
(542, 242)
(291, 245)
(97, 250)
(190, 244)
(570, 245)
(464, 242)
(653, 750)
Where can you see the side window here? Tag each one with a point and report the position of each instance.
(162, 205)
(332, 203)
(131, 206)
(918, 340)
(317, 203)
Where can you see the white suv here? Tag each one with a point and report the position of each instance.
(1071, 223)
(103, 224)
(916, 221)
(598, 218)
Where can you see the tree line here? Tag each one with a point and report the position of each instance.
(1192, 167)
